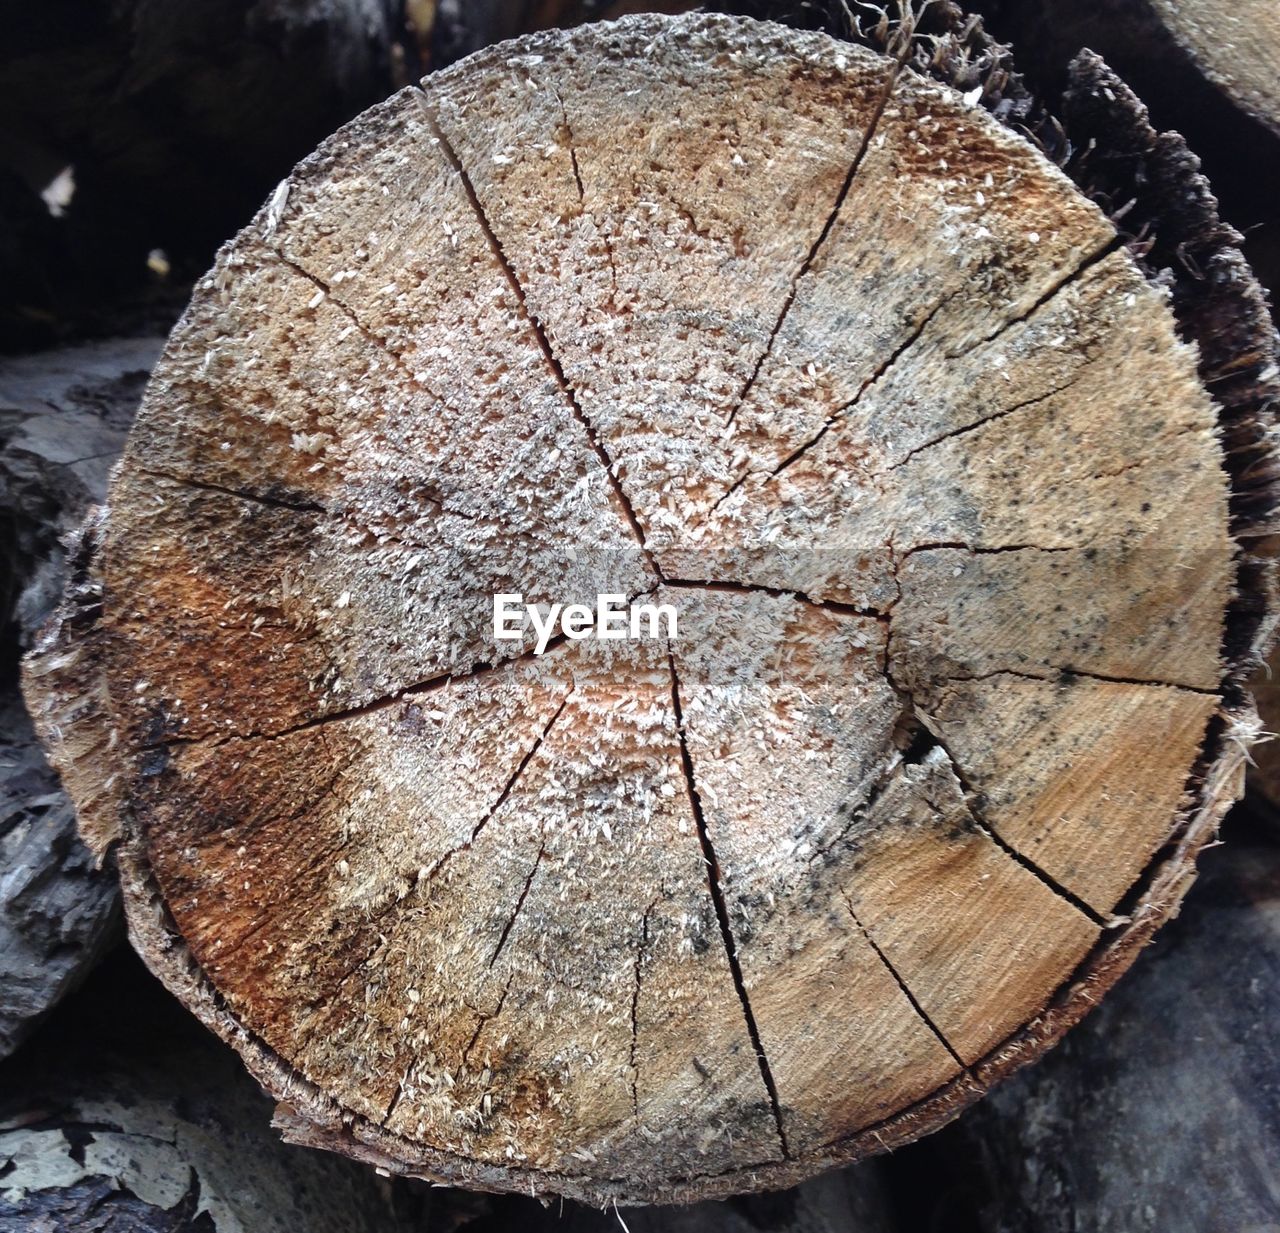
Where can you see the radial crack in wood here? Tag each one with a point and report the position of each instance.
(705, 907)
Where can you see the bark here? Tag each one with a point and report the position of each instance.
(1264, 772)
(129, 1118)
(850, 375)
(63, 418)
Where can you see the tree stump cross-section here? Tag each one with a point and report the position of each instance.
(712, 314)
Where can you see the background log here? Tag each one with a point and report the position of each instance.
(127, 1117)
(63, 420)
(1228, 47)
(1240, 148)
(58, 913)
(64, 416)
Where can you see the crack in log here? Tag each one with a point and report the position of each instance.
(879, 371)
(430, 685)
(1137, 463)
(488, 1017)
(973, 802)
(536, 326)
(753, 588)
(1091, 258)
(1073, 275)
(971, 796)
(968, 428)
(425, 878)
(1055, 673)
(635, 1007)
(379, 344)
(860, 154)
(396, 1095)
(524, 894)
(337, 517)
(240, 494)
(982, 550)
(859, 813)
(416, 690)
(497, 804)
(924, 1015)
(722, 911)
(572, 146)
(374, 340)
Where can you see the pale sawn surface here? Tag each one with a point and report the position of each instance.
(915, 450)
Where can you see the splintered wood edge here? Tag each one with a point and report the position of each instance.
(308, 1116)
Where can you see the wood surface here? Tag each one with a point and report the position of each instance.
(125, 1116)
(1236, 44)
(751, 322)
(64, 415)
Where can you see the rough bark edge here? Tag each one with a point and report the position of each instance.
(1150, 181)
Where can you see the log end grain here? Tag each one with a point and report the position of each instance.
(757, 325)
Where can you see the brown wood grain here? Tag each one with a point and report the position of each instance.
(748, 321)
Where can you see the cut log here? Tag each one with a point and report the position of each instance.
(125, 1117)
(755, 325)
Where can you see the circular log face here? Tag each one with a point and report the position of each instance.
(719, 317)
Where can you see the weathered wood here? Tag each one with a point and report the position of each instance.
(63, 418)
(801, 343)
(1161, 1111)
(126, 1117)
(1232, 44)
(1241, 154)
